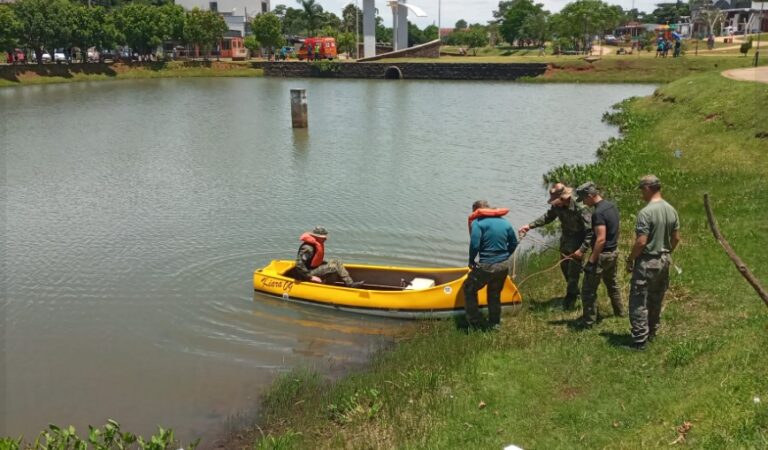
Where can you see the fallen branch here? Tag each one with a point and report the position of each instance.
(745, 272)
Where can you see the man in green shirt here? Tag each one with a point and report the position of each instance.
(657, 234)
(575, 238)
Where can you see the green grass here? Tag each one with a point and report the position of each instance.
(52, 74)
(540, 384)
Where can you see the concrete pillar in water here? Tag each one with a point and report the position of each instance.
(369, 28)
(299, 116)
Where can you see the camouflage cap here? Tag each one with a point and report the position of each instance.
(320, 232)
(650, 181)
(585, 190)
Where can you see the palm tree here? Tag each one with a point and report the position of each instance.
(312, 15)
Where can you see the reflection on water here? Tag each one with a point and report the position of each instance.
(135, 213)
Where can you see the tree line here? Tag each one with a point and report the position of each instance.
(143, 26)
(523, 22)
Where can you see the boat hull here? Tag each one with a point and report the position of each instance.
(384, 293)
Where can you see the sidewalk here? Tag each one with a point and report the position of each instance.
(759, 74)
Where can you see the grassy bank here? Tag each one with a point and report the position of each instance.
(539, 383)
(62, 73)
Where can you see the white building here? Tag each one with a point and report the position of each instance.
(245, 8)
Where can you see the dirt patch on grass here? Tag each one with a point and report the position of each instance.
(570, 392)
(553, 69)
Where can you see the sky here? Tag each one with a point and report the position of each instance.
(473, 11)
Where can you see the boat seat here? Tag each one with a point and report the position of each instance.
(418, 284)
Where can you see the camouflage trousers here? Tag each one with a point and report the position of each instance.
(331, 271)
(571, 269)
(607, 272)
(492, 275)
(650, 280)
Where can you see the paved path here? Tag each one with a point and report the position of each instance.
(759, 74)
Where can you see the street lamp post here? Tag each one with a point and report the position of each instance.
(357, 32)
(759, 29)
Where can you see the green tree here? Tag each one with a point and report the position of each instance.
(430, 33)
(45, 25)
(312, 14)
(515, 16)
(174, 17)
(536, 27)
(669, 12)
(580, 20)
(461, 24)
(346, 42)
(383, 33)
(475, 37)
(252, 45)
(142, 27)
(9, 28)
(204, 29)
(352, 18)
(415, 35)
(292, 19)
(267, 30)
(93, 27)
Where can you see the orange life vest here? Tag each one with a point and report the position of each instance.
(485, 212)
(319, 247)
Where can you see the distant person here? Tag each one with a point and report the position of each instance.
(310, 51)
(659, 47)
(657, 233)
(318, 50)
(541, 49)
(678, 48)
(492, 241)
(575, 235)
(602, 262)
(711, 42)
(311, 265)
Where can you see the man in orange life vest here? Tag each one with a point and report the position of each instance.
(493, 240)
(311, 266)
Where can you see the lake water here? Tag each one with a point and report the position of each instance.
(135, 212)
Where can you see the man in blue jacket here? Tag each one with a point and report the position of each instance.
(493, 240)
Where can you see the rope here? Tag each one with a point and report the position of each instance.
(566, 258)
(538, 241)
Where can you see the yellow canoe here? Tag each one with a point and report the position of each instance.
(403, 292)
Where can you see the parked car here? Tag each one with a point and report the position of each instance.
(93, 55)
(610, 39)
(15, 56)
(107, 55)
(59, 56)
(46, 57)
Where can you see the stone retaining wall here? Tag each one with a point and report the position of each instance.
(409, 71)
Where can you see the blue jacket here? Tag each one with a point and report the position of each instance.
(493, 238)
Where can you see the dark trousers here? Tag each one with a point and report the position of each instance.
(492, 275)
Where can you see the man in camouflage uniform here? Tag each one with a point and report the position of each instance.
(311, 265)
(657, 233)
(575, 238)
(603, 259)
